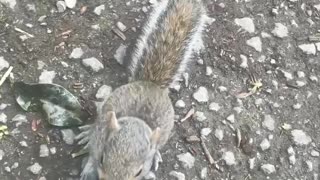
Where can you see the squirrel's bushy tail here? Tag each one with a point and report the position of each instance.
(166, 45)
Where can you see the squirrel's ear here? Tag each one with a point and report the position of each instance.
(155, 136)
(112, 120)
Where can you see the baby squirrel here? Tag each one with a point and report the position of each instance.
(136, 120)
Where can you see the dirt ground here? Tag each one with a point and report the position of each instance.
(278, 125)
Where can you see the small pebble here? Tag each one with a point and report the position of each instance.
(47, 76)
(7, 169)
(120, 53)
(309, 166)
(214, 106)
(1, 154)
(3, 118)
(44, 150)
(61, 6)
(309, 49)
(177, 175)
(222, 89)
(204, 173)
(180, 104)
(315, 153)
(67, 136)
(268, 123)
(3, 63)
(292, 159)
(218, 133)
(35, 168)
(71, 3)
(15, 165)
(41, 65)
(205, 132)
(121, 26)
(313, 78)
(98, 10)
(103, 92)
(265, 144)
(231, 118)
(300, 83)
(209, 71)
(23, 143)
(280, 30)
(53, 150)
(186, 159)
(246, 24)
(229, 158)
(76, 53)
(301, 74)
(93, 63)
(268, 169)
(300, 137)
(252, 163)
(297, 106)
(244, 61)
(201, 95)
(200, 61)
(287, 75)
(200, 116)
(255, 43)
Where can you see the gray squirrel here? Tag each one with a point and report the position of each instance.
(136, 120)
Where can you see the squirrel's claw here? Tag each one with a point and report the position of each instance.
(84, 136)
(156, 160)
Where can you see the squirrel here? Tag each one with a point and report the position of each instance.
(136, 120)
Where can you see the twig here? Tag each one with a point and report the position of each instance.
(206, 151)
(188, 115)
(23, 32)
(4, 77)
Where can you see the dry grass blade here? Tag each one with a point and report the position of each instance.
(188, 115)
(119, 33)
(206, 151)
(4, 77)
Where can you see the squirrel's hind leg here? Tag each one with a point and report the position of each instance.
(84, 136)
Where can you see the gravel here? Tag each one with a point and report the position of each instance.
(229, 158)
(268, 123)
(76, 53)
(280, 30)
(201, 95)
(268, 169)
(35, 168)
(68, 136)
(177, 175)
(186, 159)
(255, 43)
(3, 63)
(245, 23)
(103, 92)
(300, 137)
(47, 76)
(93, 63)
(180, 104)
(308, 49)
(44, 150)
(98, 10)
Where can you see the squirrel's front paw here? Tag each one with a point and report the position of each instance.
(84, 136)
(157, 159)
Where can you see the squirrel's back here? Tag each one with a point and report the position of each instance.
(165, 46)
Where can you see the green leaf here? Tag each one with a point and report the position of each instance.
(60, 106)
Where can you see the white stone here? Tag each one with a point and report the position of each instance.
(76, 53)
(20, 118)
(121, 26)
(308, 49)
(201, 95)
(204, 173)
(229, 158)
(313, 78)
(68, 136)
(315, 153)
(300, 137)
(292, 159)
(3, 118)
(3, 63)
(61, 6)
(120, 53)
(47, 76)
(200, 116)
(214, 106)
(44, 150)
(205, 132)
(3, 106)
(209, 70)
(1, 154)
(218, 133)
(265, 35)
(268, 122)
(186, 159)
(53, 150)
(297, 106)
(23, 143)
(98, 10)
(252, 163)
(290, 150)
(256, 43)
(41, 65)
(300, 83)
(268, 169)
(301, 74)
(244, 61)
(280, 30)
(103, 92)
(10, 3)
(246, 24)
(309, 166)
(70, 3)
(317, 6)
(231, 118)
(222, 89)
(35, 168)
(318, 46)
(180, 104)
(258, 101)
(265, 144)
(177, 175)
(287, 75)
(93, 63)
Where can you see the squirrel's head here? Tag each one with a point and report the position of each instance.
(128, 150)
